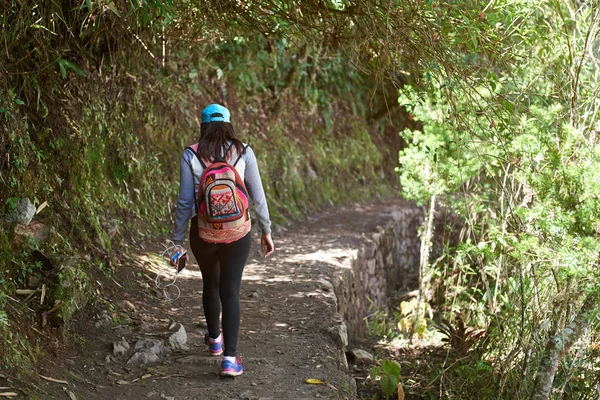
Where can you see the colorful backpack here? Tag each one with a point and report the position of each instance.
(222, 203)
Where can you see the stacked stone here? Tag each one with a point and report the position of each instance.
(386, 264)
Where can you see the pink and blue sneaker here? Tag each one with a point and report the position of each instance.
(215, 348)
(231, 368)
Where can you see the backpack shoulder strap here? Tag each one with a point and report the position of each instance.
(224, 157)
(240, 155)
(194, 149)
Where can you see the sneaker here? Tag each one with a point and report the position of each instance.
(229, 368)
(215, 349)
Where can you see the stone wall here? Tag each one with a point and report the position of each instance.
(387, 263)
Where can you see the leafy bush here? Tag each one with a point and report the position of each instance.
(515, 155)
(388, 375)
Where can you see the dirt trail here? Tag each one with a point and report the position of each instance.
(288, 310)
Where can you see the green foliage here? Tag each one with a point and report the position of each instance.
(94, 117)
(72, 289)
(3, 316)
(11, 204)
(298, 174)
(18, 352)
(66, 65)
(515, 154)
(103, 268)
(388, 374)
(378, 322)
(439, 158)
(411, 318)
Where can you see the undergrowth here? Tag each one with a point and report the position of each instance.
(94, 125)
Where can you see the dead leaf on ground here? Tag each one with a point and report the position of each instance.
(110, 371)
(70, 394)
(129, 305)
(400, 392)
(53, 380)
(173, 376)
(314, 381)
(8, 394)
(43, 296)
(41, 207)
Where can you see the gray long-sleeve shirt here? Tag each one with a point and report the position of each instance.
(190, 172)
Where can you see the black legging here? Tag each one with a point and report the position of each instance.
(222, 266)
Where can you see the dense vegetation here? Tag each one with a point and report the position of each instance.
(514, 151)
(99, 97)
(97, 102)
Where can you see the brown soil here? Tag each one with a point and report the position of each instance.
(285, 336)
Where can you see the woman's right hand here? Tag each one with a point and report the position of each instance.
(175, 263)
(266, 244)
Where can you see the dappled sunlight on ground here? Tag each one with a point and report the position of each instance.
(312, 294)
(290, 265)
(432, 338)
(293, 265)
(330, 256)
(288, 321)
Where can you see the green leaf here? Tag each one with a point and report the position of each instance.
(19, 102)
(390, 367)
(374, 372)
(66, 65)
(389, 384)
(112, 8)
(11, 203)
(63, 70)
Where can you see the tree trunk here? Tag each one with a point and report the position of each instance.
(424, 273)
(426, 244)
(556, 349)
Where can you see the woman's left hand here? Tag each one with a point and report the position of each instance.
(266, 244)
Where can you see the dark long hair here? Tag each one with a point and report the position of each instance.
(213, 140)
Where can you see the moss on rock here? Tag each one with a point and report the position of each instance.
(72, 288)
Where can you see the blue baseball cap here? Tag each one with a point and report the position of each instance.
(215, 113)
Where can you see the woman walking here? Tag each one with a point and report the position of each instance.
(217, 175)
